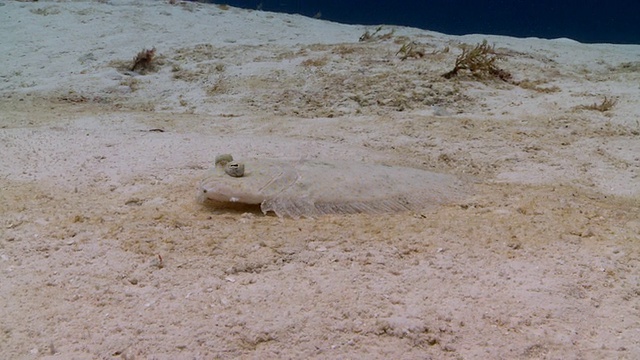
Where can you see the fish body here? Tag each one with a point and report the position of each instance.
(310, 188)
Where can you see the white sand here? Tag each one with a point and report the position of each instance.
(542, 262)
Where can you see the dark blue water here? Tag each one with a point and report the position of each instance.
(589, 21)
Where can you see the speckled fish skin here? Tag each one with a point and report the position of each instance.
(310, 188)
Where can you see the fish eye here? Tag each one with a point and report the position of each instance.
(234, 169)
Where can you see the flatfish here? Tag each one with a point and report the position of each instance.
(311, 188)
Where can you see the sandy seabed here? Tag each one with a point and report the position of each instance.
(104, 252)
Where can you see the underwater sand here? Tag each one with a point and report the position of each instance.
(105, 252)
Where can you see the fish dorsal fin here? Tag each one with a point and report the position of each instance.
(286, 175)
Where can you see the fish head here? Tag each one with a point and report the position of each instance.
(218, 186)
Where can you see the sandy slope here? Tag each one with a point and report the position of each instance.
(104, 252)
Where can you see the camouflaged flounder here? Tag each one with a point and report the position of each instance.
(309, 188)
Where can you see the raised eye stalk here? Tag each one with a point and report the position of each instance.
(223, 160)
(234, 169)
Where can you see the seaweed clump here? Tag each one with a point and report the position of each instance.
(410, 50)
(480, 61)
(606, 105)
(376, 35)
(144, 60)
